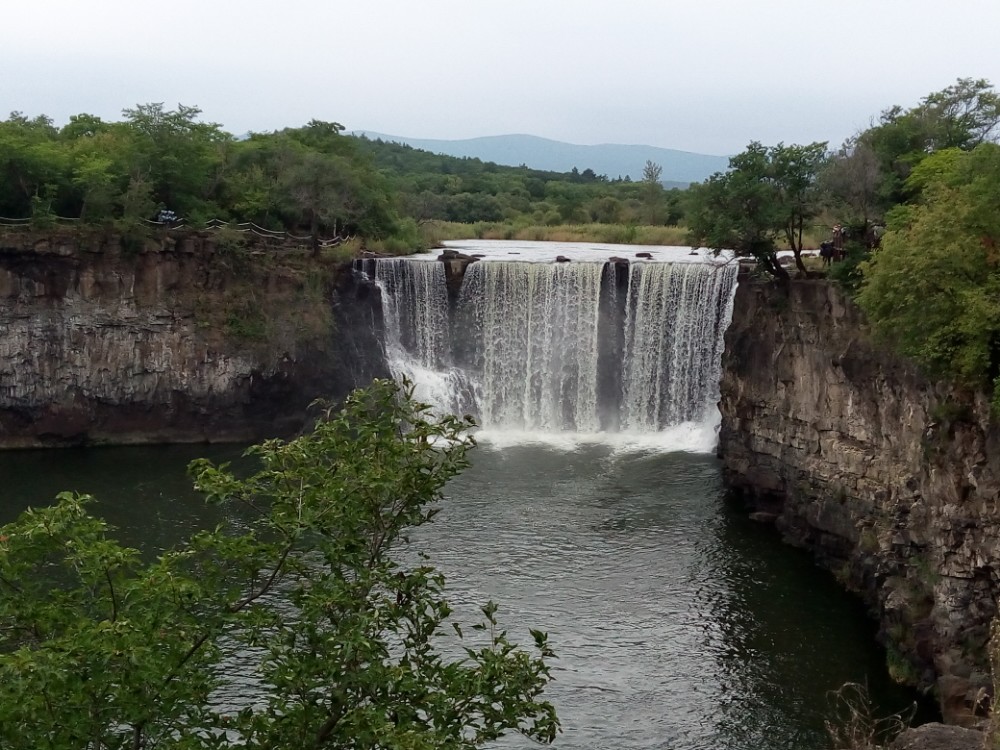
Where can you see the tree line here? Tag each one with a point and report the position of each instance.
(468, 190)
(929, 176)
(310, 179)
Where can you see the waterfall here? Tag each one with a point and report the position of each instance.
(565, 348)
(417, 336)
(535, 342)
(676, 315)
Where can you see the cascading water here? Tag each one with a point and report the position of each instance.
(676, 315)
(417, 337)
(561, 348)
(535, 343)
(415, 311)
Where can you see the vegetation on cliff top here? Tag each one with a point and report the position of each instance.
(917, 194)
(933, 288)
(312, 180)
(351, 641)
(767, 194)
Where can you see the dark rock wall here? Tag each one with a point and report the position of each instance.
(179, 339)
(893, 482)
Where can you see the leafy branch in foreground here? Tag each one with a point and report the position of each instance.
(349, 642)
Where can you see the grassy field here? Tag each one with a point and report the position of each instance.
(435, 232)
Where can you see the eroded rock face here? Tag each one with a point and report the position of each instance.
(174, 341)
(893, 482)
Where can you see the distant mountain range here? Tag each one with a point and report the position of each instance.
(680, 168)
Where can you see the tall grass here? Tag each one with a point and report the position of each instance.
(437, 232)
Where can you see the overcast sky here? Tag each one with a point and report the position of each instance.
(698, 75)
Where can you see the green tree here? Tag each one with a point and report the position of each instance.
(33, 166)
(99, 650)
(652, 193)
(961, 116)
(766, 194)
(933, 289)
(179, 155)
(795, 171)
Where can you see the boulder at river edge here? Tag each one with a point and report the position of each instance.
(938, 737)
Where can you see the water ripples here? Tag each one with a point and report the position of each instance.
(677, 623)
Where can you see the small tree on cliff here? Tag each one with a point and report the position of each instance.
(766, 194)
(99, 650)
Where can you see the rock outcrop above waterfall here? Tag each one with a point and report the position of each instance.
(893, 481)
(181, 338)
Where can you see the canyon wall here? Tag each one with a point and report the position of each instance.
(891, 480)
(175, 338)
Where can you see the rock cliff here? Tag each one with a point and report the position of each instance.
(176, 338)
(894, 482)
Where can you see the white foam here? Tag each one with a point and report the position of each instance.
(687, 437)
(526, 353)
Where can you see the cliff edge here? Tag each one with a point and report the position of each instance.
(891, 480)
(178, 338)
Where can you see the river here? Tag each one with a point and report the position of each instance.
(677, 621)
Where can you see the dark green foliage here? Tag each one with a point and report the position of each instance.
(933, 289)
(433, 186)
(848, 271)
(766, 194)
(100, 650)
(310, 181)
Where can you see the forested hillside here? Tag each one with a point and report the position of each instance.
(680, 168)
(435, 186)
(312, 181)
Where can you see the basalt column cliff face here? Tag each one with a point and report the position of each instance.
(894, 483)
(181, 338)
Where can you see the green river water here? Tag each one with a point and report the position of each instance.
(677, 621)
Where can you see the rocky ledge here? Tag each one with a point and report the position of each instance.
(179, 338)
(892, 481)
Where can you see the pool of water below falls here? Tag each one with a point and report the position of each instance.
(678, 623)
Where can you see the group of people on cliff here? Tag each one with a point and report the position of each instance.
(832, 250)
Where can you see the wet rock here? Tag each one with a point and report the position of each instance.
(844, 443)
(452, 255)
(938, 737)
(562, 259)
(121, 346)
(648, 256)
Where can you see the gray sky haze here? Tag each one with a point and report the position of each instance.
(698, 75)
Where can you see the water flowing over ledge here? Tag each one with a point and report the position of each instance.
(592, 350)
